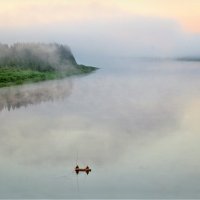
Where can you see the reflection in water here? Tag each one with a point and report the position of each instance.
(32, 94)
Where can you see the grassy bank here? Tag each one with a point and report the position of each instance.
(16, 76)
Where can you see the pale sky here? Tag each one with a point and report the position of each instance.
(29, 12)
(134, 27)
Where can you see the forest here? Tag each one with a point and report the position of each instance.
(32, 62)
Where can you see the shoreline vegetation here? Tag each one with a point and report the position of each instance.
(23, 63)
(10, 76)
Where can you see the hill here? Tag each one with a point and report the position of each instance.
(32, 62)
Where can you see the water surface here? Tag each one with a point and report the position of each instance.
(135, 123)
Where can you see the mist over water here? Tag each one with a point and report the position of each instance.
(135, 123)
(32, 94)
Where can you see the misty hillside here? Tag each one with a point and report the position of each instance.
(32, 62)
(37, 56)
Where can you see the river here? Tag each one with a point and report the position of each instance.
(134, 122)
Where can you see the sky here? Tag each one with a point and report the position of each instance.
(106, 28)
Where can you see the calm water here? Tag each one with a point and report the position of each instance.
(135, 123)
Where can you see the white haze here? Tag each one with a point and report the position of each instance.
(40, 55)
(126, 36)
(33, 94)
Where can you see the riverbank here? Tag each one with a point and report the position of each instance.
(10, 76)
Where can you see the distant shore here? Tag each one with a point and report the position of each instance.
(189, 59)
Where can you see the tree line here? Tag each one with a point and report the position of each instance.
(37, 56)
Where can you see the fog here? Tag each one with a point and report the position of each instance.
(38, 56)
(135, 122)
(33, 94)
(118, 37)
